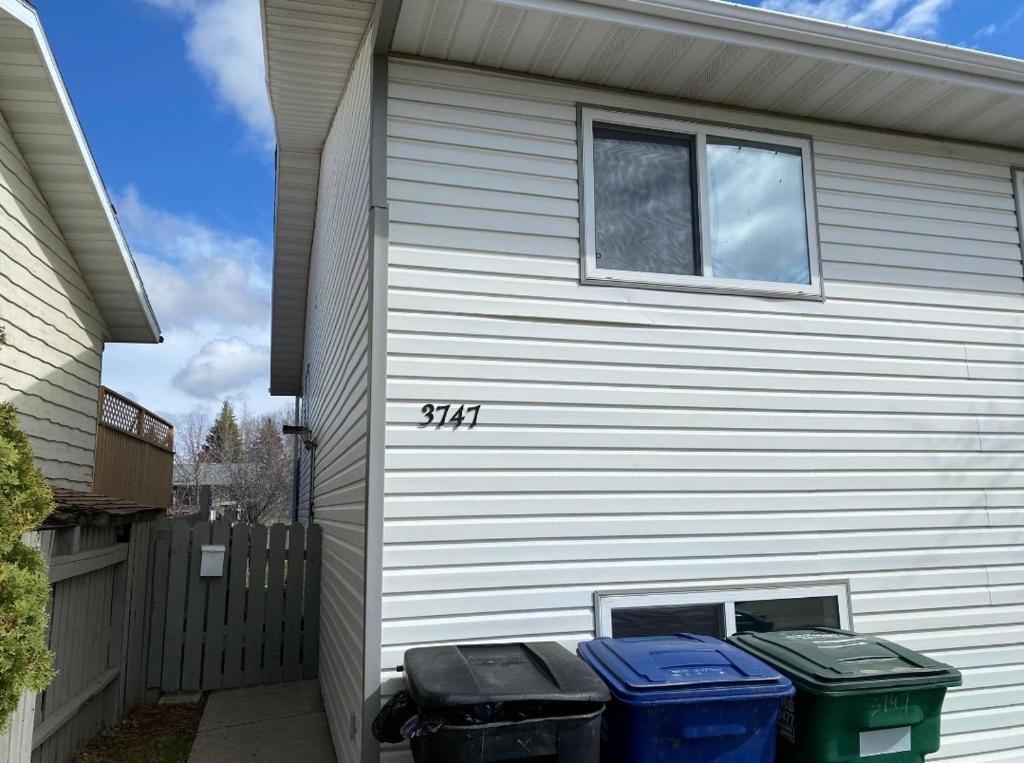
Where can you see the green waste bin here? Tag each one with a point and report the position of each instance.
(858, 698)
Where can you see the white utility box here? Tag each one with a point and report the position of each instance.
(211, 565)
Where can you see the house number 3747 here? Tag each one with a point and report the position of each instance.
(448, 415)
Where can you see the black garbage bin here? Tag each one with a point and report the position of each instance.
(503, 702)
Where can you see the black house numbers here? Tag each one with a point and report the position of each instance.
(447, 415)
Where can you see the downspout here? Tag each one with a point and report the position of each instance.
(311, 447)
(373, 574)
(296, 467)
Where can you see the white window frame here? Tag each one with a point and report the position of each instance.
(699, 132)
(1017, 176)
(604, 603)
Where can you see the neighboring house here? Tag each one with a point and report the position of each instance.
(202, 486)
(735, 300)
(68, 284)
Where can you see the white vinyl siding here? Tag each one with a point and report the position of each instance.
(650, 440)
(335, 400)
(50, 364)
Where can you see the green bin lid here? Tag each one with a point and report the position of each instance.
(829, 661)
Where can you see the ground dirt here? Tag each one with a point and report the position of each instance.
(150, 734)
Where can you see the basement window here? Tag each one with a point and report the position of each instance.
(684, 205)
(724, 612)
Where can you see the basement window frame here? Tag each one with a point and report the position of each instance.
(699, 132)
(606, 602)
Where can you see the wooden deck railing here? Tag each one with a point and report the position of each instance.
(134, 452)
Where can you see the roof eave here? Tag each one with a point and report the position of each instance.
(144, 327)
(732, 22)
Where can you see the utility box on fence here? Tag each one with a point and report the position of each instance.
(212, 563)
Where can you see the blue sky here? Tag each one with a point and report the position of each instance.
(172, 98)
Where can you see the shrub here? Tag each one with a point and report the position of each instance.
(25, 501)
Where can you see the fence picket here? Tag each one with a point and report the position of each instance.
(216, 605)
(238, 557)
(256, 606)
(275, 604)
(177, 589)
(311, 603)
(192, 663)
(291, 669)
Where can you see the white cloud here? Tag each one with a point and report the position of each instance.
(211, 293)
(987, 31)
(196, 274)
(224, 41)
(223, 366)
(916, 18)
(922, 19)
(150, 372)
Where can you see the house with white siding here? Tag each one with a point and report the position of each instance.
(611, 317)
(68, 284)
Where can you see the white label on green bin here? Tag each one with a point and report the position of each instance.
(884, 741)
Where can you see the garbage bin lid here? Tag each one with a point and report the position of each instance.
(827, 660)
(680, 668)
(474, 674)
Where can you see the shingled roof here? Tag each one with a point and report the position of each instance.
(73, 507)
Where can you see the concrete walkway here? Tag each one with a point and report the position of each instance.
(276, 723)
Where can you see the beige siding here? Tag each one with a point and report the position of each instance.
(50, 364)
(335, 402)
(644, 439)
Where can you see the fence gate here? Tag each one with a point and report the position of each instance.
(257, 622)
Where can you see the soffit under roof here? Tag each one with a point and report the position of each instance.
(732, 55)
(310, 46)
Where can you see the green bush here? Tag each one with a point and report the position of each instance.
(25, 501)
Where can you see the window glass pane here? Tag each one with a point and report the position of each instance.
(758, 218)
(787, 614)
(702, 619)
(643, 201)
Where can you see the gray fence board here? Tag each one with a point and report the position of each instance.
(291, 670)
(216, 611)
(176, 598)
(137, 631)
(195, 613)
(311, 610)
(161, 551)
(275, 604)
(238, 562)
(256, 607)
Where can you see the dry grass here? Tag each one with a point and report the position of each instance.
(150, 734)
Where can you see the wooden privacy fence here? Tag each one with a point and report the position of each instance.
(134, 452)
(99, 581)
(258, 622)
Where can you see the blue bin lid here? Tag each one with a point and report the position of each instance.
(681, 668)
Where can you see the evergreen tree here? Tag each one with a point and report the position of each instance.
(25, 501)
(224, 441)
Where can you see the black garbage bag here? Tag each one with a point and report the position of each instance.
(423, 724)
(387, 726)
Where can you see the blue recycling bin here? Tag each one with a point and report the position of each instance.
(686, 698)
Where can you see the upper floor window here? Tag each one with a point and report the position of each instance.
(686, 205)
